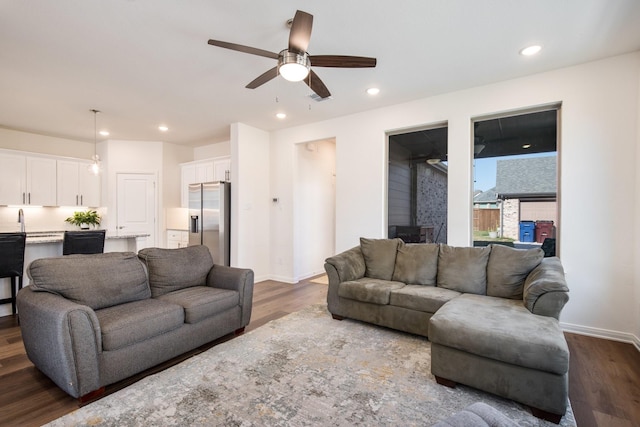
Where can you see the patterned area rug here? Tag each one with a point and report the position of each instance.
(305, 369)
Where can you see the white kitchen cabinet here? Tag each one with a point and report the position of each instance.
(192, 173)
(26, 180)
(222, 169)
(77, 185)
(13, 183)
(177, 239)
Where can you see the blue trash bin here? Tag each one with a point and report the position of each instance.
(527, 231)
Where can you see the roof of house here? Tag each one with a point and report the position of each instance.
(526, 177)
(488, 196)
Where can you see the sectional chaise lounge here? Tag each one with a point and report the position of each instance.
(491, 313)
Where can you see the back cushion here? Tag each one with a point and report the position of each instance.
(463, 269)
(173, 269)
(97, 281)
(507, 269)
(379, 257)
(416, 264)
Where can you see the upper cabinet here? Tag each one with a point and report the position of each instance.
(216, 169)
(222, 169)
(26, 180)
(77, 185)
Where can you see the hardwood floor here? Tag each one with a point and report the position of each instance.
(604, 377)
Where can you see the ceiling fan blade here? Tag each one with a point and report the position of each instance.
(242, 48)
(300, 33)
(263, 78)
(342, 61)
(316, 85)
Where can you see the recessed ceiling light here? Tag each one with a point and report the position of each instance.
(281, 116)
(531, 50)
(163, 128)
(525, 146)
(373, 91)
(104, 132)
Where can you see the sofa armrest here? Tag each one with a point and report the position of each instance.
(349, 264)
(62, 339)
(545, 289)
(346, 266)
(235, 279)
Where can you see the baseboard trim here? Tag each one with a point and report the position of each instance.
(602, 333)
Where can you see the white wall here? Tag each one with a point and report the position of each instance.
(25, 141)
(250, 199)
(219, 149)
(636, 215)
(314, 207)
(598, 188)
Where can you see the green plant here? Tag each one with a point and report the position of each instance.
(80, 217)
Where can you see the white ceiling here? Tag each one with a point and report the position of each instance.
(146, 62)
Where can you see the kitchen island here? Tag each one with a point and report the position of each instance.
(47, 244)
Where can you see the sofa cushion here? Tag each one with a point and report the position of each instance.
(368, 290)
(422, 298)
(173, 269)
(508, 267)
(200, 302)
(97, 280)
(548, 277)
(463, 269)
(416, 264)
(379, 257)
(501, 329)
(134, 322)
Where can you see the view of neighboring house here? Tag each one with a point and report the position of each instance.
(526, 190)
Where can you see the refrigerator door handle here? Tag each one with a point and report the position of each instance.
(193, 228)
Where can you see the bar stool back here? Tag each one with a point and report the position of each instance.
(12, 263)
(83, 242)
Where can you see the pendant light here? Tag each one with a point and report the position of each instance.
(95, 167)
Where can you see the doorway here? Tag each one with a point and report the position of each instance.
(136, 206)
(314, 207)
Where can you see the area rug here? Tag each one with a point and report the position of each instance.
(305, 369)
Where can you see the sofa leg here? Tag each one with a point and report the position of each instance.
(91, 396)
(445, 382)
(239, 331)
(336, 317)
(544, 415)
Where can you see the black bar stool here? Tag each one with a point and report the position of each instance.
(12, 263)
(83, 242)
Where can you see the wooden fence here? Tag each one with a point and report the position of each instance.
(486, 219)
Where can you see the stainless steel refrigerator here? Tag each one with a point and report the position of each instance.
(209, 218)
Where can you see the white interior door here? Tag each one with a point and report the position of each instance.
(136, 206)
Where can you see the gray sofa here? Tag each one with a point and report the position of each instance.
(491, 313)
(92, 320)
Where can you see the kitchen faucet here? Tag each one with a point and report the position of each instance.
(21, 220)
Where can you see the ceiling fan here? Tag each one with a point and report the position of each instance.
(294, 63)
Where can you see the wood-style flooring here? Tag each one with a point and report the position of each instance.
(604, 377)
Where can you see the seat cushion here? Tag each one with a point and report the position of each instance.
(368, 290)
(130, 323)
(97, 281)
(463, 269)
(173, 269)
(379, 257)
(416, 264)
(508, 267)
(422, 298)
(200, 302)
(501, 329)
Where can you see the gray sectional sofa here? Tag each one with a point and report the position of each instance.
(92, 320)
(491, 313)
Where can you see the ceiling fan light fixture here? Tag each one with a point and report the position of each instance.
(292, 66)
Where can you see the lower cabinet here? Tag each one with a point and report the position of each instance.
(177, 239)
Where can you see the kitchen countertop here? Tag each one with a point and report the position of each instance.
(39, 237)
